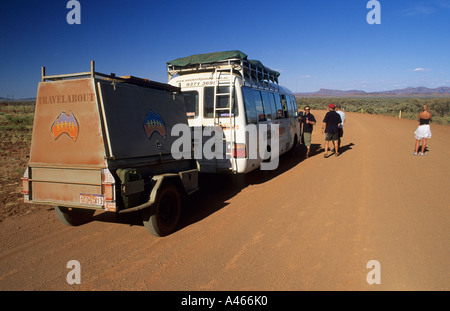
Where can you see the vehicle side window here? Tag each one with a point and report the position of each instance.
(222, 101)
(208, 102)
(249, 103)
(290, 108)
(267, 105)
(279, 105)
(259, 106)
(191, 101)
(273, 105)
(284, 102)
(294, 106)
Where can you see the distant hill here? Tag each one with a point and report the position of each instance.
(419, 90)
(5, 99)
(409, 91)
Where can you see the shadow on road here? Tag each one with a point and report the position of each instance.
(317, 149)
(345, 148)
(216, 189)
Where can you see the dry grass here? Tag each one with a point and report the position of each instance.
(16, 124)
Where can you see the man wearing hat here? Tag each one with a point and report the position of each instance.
(330, 126)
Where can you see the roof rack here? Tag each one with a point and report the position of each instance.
(253, 72)
(112, 77)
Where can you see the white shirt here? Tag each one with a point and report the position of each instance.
(342, 114)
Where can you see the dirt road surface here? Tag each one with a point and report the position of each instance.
(312, 224)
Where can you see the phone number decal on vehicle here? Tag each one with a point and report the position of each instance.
(198, 83)
(91, 199)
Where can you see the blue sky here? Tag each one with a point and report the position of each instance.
(314, 44)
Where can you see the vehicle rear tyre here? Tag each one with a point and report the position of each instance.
(162, 218)
(74, 216)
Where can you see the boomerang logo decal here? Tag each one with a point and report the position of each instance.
(154, 124)
(65, 124)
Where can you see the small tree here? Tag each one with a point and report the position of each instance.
(441, 106)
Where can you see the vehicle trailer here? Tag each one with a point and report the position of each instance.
(102, 142)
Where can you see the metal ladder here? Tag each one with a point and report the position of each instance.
(231, 120)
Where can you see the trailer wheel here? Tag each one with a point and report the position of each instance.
(73, 217)
(162, 219)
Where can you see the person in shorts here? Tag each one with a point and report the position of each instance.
(308, 121)
(331, 123)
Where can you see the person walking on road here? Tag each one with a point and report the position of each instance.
(341, 127)
(423, 132)
(331, 123)
(308, 121)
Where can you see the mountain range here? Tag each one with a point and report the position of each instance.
(19, 99)
(409, 91)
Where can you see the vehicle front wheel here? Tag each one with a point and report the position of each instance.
(162, 218)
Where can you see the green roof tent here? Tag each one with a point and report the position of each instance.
(208, 58)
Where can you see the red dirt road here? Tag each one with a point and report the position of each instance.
(310, 225)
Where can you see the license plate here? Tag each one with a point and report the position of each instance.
(91, 199)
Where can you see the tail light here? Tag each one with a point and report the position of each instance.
(25, 187)
(237, 150)
(109, 190)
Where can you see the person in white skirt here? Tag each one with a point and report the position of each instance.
(423, 132)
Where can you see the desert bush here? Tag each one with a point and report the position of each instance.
(389, 106)
(16, 123)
